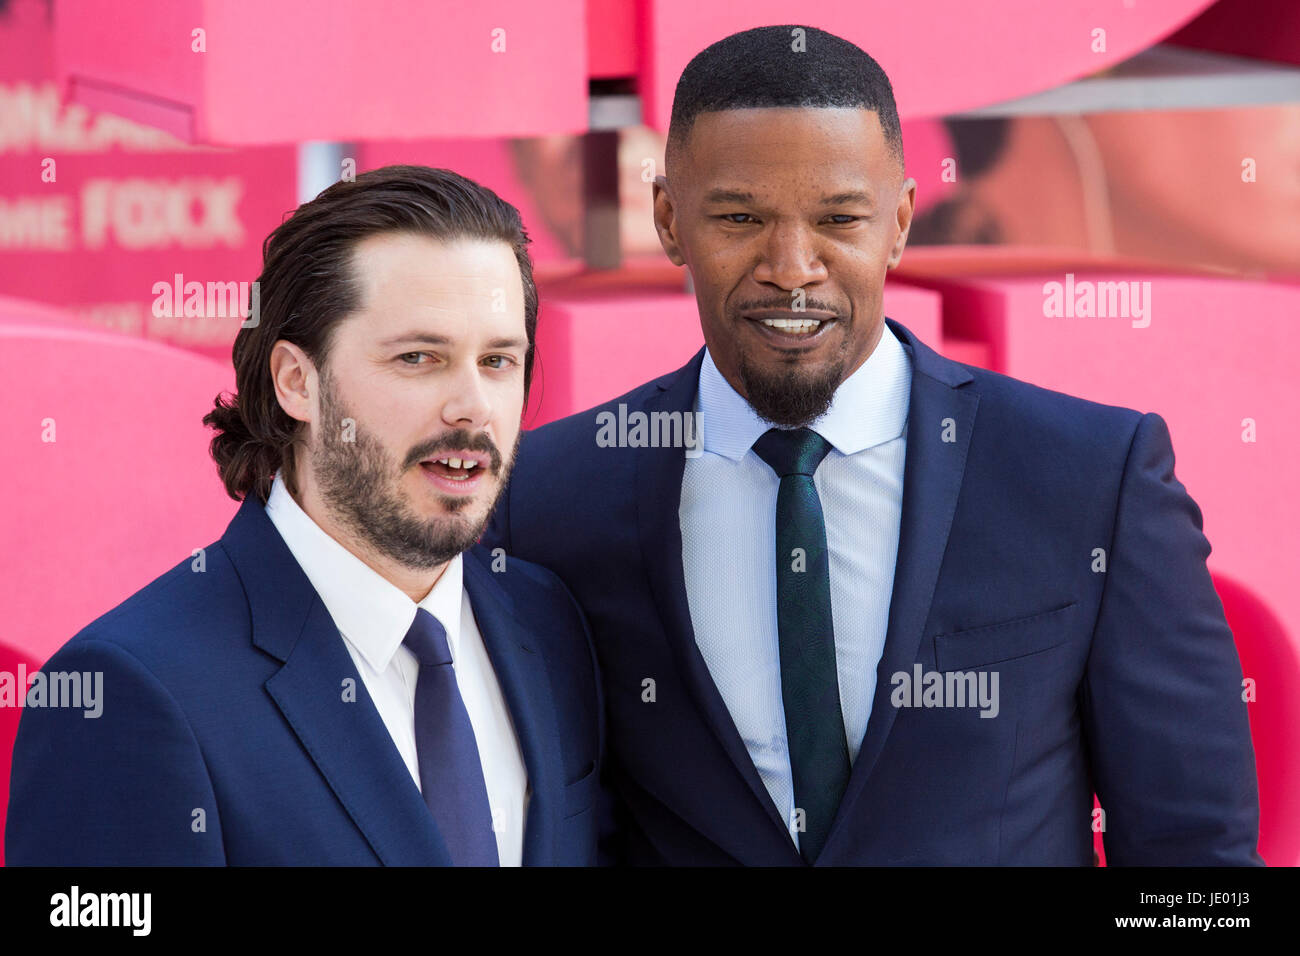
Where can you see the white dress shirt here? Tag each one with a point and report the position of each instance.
(373, 615)
(728, 522)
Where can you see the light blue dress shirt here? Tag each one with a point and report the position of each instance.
(728, 522)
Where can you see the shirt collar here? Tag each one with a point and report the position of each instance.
(368, 609)
(869, 407)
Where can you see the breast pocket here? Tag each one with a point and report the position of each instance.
(581, 794)
(975, 647)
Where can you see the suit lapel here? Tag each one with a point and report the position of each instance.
(346, 739)
(932, 477)
(352, 748)
(521, 672)
(659, 489)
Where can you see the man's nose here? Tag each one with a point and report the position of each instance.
(467, 405)
(790, 258)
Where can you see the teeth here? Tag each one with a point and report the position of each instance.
(467, 463)
(793, 325)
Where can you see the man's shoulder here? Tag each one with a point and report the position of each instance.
(537, 597)
(175, 615)
(531, 587)
(1019, 411)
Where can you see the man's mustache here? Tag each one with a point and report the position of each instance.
(460, 440)
(813, 305)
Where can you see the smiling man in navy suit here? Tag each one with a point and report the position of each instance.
(344, 678)
(891, 609)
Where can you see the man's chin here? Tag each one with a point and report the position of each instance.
(465, 517)
(438, 542)
(791, 397)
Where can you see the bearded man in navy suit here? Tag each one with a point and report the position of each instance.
(344, 678)
(889, 609)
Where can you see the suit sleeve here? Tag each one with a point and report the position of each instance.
(1168, 732)
(120, 789)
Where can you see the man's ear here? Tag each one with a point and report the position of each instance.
(903, 221)
(295, 380)
(666, 221)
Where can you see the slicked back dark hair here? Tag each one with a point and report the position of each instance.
(775, 66)
(308, 286)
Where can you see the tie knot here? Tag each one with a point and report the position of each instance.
(792, 451)
(427, 640)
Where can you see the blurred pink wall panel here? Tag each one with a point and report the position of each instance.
(595, 346)
(1267, 658)
(124, 492)
(300, 70)
(921, 310)
(133, 59)
(942, 56)
(612, 37)
(969, 353)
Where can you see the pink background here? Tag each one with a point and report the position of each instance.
(127, 489)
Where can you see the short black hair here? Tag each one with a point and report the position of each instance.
(775, 66)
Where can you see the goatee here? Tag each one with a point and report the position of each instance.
(359, 485)
(793, 397)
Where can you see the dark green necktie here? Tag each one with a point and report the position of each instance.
(810, 690)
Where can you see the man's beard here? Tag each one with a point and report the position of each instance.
(794, 396)
(358, 483)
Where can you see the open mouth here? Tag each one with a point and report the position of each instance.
(793, 326)
(453, 469)
(787, 326)
(456, 473)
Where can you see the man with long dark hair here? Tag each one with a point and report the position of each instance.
(344, 678)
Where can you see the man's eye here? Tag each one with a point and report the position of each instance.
(503, 359)
(844, 219)
(408, 355)
(732, 217)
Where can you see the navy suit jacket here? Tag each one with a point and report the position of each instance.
(1123, 681)
(224, 693)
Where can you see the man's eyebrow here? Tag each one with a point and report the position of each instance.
(428, 338)
(509, 342)
(728, 195)
(741, 196)
(851, 196)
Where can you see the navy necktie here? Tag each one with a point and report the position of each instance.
(810, 690)
(451, 775)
